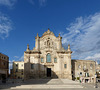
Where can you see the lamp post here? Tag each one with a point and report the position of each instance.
(96, 86)
(12, 72)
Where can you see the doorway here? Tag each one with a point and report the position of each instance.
(48, 72)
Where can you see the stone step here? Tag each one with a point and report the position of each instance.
(51, 81)
(46, 86)
(69, 81)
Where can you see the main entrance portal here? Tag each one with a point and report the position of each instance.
(48, 72)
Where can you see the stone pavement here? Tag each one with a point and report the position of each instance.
(50, 84)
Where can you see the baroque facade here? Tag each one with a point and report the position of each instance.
(48, 58)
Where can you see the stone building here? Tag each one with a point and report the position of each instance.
(48, 58)
(4, 66)
(18, 70)
(85, 70)
(98, 70)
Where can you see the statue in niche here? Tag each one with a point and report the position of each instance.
(48, 43)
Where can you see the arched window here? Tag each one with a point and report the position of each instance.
(48, 57)
(55, 60)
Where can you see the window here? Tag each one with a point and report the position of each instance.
(55, 60)
(42, 60)
(65, 65)
(79, 66)
(32, 66)
(72, 72)
(16, 70)
(80, 73)
(84, 67)
(91, 66)
(4, 57)
(22, 73)
(48, 57)
(4, 63)
(22, 70)
(86, 74)
(16, 65)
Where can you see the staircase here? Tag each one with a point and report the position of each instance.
(49, 84)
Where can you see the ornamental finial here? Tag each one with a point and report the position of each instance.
(28, 47)
(69, 47)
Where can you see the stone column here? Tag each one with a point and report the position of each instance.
(60, 42)
(37, 46)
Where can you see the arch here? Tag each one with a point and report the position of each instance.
(48, 57)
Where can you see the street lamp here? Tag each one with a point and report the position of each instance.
(11, 67)
(96, 86)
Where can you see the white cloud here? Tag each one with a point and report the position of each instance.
(32, 2)
(84, 36)
(22, 58)
(10, 64)
(94, 57)
(16, 57)
(5, 26)
(42, 2)
(8, 3)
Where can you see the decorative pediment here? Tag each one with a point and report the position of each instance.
(48, 32)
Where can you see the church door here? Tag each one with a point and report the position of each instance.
(48, 72)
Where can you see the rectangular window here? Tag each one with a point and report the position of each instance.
(42, 60)
(86, 74)
(55, 60)
(4, 57)
(65, 65)
(4, 63)
(16, 70)
(16, 65)
(32, 66)
(80, 73)
(22, 70)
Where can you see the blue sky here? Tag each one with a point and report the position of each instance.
(78, 21)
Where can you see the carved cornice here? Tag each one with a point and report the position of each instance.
(64, 52)
(31, 52)
(49, 64)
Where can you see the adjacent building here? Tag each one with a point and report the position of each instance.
(18, 70)
(4, 66)
(98, 70)
(84, 70)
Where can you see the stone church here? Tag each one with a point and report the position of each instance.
(48, 58)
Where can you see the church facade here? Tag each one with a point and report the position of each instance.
(48, 58)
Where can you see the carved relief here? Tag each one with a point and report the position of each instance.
(61, 56)
(48, 43)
